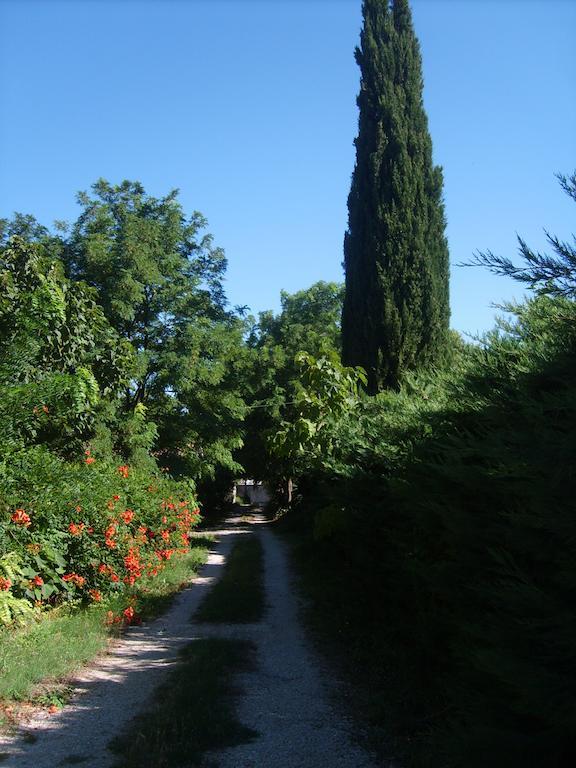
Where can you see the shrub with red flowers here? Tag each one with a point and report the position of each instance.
(96, 536)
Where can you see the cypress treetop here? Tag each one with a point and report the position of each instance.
(396, 310)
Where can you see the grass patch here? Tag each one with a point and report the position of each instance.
(193, 711)
(57, 644)
(34, 658)
(239, 595)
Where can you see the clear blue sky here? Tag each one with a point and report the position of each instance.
(248, 107)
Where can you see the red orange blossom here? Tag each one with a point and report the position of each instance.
(21, 518)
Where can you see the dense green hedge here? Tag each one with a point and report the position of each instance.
(450, 505)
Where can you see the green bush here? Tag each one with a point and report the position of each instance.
(450, 505)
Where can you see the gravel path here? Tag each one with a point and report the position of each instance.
(286, 698)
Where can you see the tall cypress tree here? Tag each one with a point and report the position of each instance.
(396, 309)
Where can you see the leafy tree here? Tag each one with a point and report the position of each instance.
(309, 321)
(201, 412)
(159, 280)
(153, 271)
(396, 309)
(29, 229)
(309, 318)
(327, 391)
(24, 226)
(59, 357)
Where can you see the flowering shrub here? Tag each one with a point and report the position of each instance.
(85, 531)
(78, 524)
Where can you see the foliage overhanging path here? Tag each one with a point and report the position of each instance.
(286, 697)
(116, 686)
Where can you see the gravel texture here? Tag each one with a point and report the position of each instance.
(289, 697)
